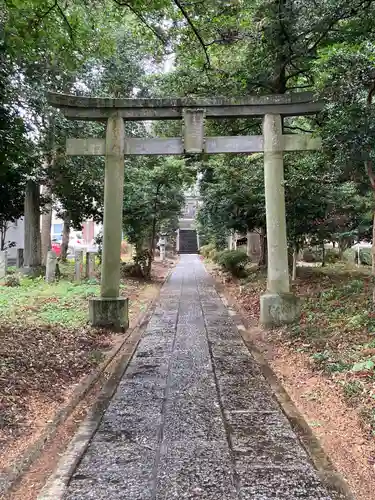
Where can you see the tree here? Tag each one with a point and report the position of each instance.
(153, 199)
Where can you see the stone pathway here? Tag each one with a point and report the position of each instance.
(193, 418)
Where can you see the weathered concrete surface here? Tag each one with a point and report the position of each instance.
(279, 309)
(193, 417)
(97, 108)
(109, 313)
(113, 202)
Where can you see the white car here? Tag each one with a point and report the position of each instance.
(76, 244)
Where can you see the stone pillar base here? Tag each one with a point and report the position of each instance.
(110, 313)
(278, 309)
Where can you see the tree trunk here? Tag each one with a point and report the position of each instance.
(32, 253)
(248, 244)
(323, 255)
(263, 248)
(65, 239)
(294, 266)
(3, 233)
(46, 226)
(341, 249)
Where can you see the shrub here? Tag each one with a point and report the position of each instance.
(12, 280)
(312, 255)
(131, 270)
(233, 261)
(365, 256)
(332, 256)
(206, 250)
(349, 255)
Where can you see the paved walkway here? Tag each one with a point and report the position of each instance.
(192, 417)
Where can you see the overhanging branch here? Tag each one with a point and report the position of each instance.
(194, 29)
(142, 19)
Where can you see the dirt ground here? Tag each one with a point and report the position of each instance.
(321, 385)
(42, 366)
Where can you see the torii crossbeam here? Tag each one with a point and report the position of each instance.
(278, 306)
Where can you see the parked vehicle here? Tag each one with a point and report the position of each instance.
(56, 247)
(76, 244)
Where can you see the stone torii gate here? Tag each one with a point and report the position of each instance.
(278, 305)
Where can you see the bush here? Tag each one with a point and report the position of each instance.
(365, 256)
(205, 250)
(312, 255)
(233, 261)
(350, 255)
(12, 280)
(332, 256)
(131, 270)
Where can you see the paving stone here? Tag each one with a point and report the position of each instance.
(250, 394)
(237, 365)
(115, 471)
(222, 349)
(195, 470)
(187, 382)
(163, 435)
(133, 424)
(244, 426)
(193, 418)
(227, 333)
(283, 484)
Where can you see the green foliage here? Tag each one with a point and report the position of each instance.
(153, 200)
(208, 251)
(312, 255)
(363, 366)
(352, 390)
(233, 261)
(365, 256)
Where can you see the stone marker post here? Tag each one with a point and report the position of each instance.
(3, 263)
(110, 309)
(19, 258)
(51, 266)
(90, 264)
(78, 262)
(162, 243)
(278, 305)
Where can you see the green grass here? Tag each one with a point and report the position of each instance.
(36, 302)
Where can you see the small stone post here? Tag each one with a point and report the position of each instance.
(278, 305)
(162, 243)
(78, 262)
(3, 263)
(19, 258)
(230, 241)
(178, 241)
(51, 266)
(90, 264)
(248, 244)
(110, 310)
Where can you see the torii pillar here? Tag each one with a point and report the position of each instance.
(110, 309)
(278, 305)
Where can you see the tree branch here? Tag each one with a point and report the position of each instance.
(196, 32)
(143, 20)
(45, 14)
(65, 20)
(298, 128)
